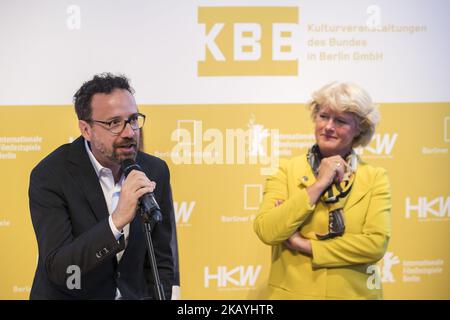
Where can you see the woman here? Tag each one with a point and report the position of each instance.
(326, 214)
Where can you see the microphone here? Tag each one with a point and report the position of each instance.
(147, 203)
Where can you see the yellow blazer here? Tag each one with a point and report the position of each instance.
(339, 267)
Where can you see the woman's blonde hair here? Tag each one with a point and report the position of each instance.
(348, 97)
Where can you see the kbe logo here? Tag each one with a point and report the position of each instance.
(241, 276)
(248, 41)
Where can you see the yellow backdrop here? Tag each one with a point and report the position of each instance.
(219, 156)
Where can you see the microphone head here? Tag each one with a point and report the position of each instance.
(129, 165)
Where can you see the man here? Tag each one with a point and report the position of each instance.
(91, 241)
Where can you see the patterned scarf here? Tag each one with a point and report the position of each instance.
(336, 195)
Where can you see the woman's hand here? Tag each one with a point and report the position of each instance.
(331, 170)
(297, 243)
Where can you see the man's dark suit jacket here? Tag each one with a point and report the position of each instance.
(70, 219)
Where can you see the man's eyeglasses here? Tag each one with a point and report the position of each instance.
(117, 125)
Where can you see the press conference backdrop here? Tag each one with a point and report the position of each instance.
(224, 85)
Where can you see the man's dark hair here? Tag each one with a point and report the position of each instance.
(101, 83)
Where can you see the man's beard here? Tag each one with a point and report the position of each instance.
(114, 156)
(119, 157)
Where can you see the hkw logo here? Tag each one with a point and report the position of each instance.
(240, 276)
(438, 207)
(183, 211)
(381, 145)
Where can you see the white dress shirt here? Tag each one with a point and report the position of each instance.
(111, 192)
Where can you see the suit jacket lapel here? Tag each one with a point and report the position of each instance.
(135, 237)
(360, 187)
(84, 175)
(304, 176)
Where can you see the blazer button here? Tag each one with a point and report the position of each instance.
(101, 253)
(118, 275)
